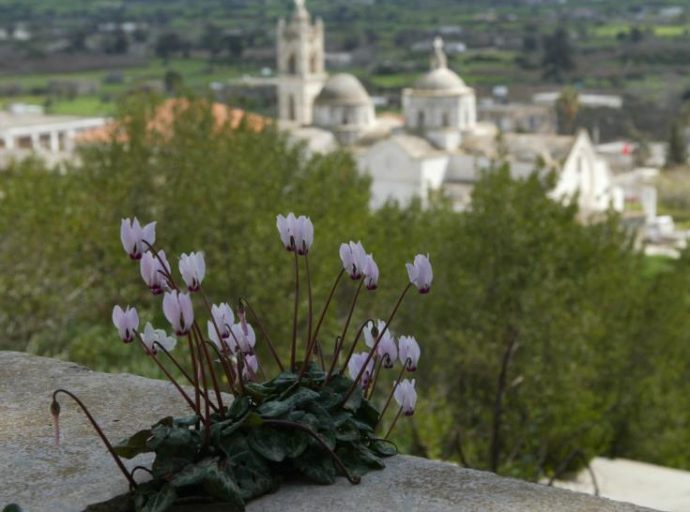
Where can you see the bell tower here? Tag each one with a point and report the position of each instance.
(301, 65)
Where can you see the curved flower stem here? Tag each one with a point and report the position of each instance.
(195, 373)
(214, 379)
(141, 468)
(246, 303)
(202, 374)
(352, 310)
(352, 349)
(376, 344)
(309, 318)
(228, 370)
(395, 420)
(179, 367)
(353, 479)
(317, 346)
(390, 397)
(312, 339)
(170, 377)
(293, 347)
(377, 372)
(97, 428)
(207, 409)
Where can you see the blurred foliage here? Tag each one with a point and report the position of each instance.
(601, 355)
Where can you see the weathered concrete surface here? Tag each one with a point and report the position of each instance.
(43, 477)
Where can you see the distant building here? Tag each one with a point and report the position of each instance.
(437, 145)
(586, 100)
(518, 117)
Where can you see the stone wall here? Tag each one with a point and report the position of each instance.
(40, 476)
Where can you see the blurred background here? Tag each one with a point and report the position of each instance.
(536, 149)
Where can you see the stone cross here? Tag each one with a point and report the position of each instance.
(439, 59)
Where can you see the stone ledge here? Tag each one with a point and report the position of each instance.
(40, 476)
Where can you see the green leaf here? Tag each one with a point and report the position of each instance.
(368, 414)
(355, 401)
(383, 448)
(317, 465)
(239, 407)
(135, 445)
(294, 442)
(187, 421)
(269, 443)
(192, 474)
(160, 500)
(12, 507)
(275, 408)
(252, 475)
(220, 484)
(348, 431)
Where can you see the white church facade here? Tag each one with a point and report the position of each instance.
(437, 146)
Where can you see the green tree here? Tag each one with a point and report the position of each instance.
(677, 152)
(558, 59)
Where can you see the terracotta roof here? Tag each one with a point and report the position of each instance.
(164, 117)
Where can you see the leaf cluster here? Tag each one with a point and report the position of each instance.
(277, 429)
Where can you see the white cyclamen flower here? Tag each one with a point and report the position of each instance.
(155, 338)
(296, 233)
(193, 270)
(133, 237)
(177, 308)
(153, 272)
(371, 273)
(386, 347)
(251, 366)
(409, 352)
(224, 318)
(357, 363)
(420, 273)
(127, 322)
(246, 340)
(406, 396)
(354, 259)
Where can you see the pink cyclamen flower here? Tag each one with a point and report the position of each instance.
(177, 307)
(354, 259)
(355, 366)
(409, 352)
(153, 272)
(296, 233)
(420, 273)
(371, 273)
(406, 396)
(133, 237)
(155, 338)
(386, 347)
(245, 336)
(127, 322)
(193, 270)
(251, 366)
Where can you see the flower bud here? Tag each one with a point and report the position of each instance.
(55, 411)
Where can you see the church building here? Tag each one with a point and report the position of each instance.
(437, 146)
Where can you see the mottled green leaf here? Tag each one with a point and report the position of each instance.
(317, 465)
(268, 443)
(135, 445)
(160, 500)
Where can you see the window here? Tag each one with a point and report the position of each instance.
(420, 120)
(292, 110)
(446, 119)
(292, 65)
(313, 63)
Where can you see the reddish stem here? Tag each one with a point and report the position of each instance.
(97, 428)
(352, 350)
(390, 397)
(312, 340)
(214, 379)
(263, 331)
(293, 347)
(376, 344)
(395, 420)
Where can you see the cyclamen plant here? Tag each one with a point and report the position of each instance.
(311, 418)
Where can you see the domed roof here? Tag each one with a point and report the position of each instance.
(343, 88)
(440, 80)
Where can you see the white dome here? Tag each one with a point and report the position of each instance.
(440, 80)
(343, 89)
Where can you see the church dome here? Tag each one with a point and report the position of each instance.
(343, 89)
(440, 80)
